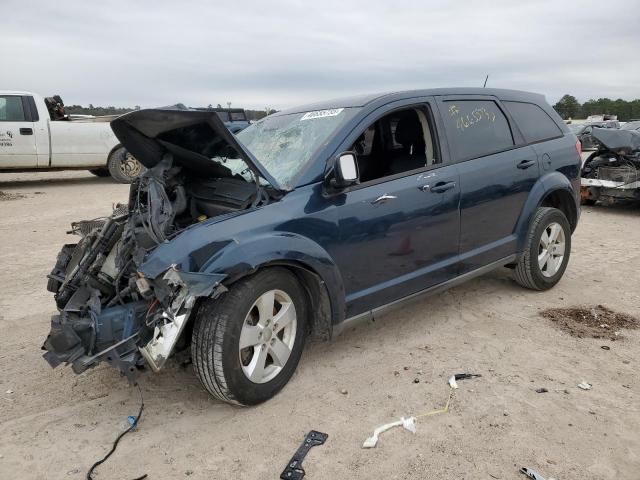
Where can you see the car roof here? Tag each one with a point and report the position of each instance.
(14, 92)
(366, 99)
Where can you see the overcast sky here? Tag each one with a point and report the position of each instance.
(255, 54)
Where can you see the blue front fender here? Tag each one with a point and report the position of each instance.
(244, 253)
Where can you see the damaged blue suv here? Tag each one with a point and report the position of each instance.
(307, 221)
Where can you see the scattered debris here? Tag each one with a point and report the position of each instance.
(605, 347)
(416, 380)
(594, 322)
(584, 385)
(461, 376)
(529, 472)
(133, 422)
(294, 470)
(407, 423)
(541, 390)
(344, 391)
(9, 391)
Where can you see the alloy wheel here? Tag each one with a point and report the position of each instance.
(267, 336)
(551, 249)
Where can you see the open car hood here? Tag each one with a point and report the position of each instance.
(193, 137)
(616, 140)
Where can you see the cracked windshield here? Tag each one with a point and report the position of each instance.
(285, 143)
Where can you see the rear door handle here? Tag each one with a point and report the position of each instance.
(439, 187)
(26, 131)
(383, 198)
(524, 164)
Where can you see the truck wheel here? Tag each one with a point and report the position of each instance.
(247, 343)
(123, 167)
(100, 172)
(547, 250)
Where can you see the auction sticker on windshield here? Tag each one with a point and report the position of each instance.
(321, 114)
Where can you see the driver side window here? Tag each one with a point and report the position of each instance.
(401, 141)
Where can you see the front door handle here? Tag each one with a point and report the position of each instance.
(383, 198)
(524, 164)
(441, 187)
(26, 131)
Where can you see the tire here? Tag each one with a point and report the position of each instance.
(123, 167)
(100, 172)
(219, 362)
(528, 271)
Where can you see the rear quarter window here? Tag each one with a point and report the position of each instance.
(534, 123)
(477, 128)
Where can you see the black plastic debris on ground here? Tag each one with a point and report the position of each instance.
(294, 470)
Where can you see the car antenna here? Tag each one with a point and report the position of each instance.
(485, 81)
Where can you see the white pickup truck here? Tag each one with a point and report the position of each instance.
(36, 134)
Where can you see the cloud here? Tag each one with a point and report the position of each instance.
(279, 54)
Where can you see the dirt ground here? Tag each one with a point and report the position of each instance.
(54, 424)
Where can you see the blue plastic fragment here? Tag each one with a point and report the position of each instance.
(133, 420)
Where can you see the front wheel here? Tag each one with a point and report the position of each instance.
(547, 250)
(247, 343)
(123, 167)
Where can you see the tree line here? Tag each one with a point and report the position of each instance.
(99, 111)
(569, 107)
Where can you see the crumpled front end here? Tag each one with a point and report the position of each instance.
(613, 171)
(108, 310)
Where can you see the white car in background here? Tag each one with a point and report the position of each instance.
(36, 134)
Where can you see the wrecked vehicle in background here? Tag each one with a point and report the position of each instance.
(584, 132)
(306, 222)
(613, 171)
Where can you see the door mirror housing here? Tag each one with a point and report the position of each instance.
(344, 172)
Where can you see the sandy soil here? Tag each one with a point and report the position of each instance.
(54, 424)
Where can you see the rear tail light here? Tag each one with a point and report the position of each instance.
(579, 148)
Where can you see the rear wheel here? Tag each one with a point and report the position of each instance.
(547, 250)
(247, 343)
(123, 167)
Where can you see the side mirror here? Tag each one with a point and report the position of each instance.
(345, 171)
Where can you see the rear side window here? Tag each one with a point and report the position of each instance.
(536, 125)
(477, 128)
(11, 109)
